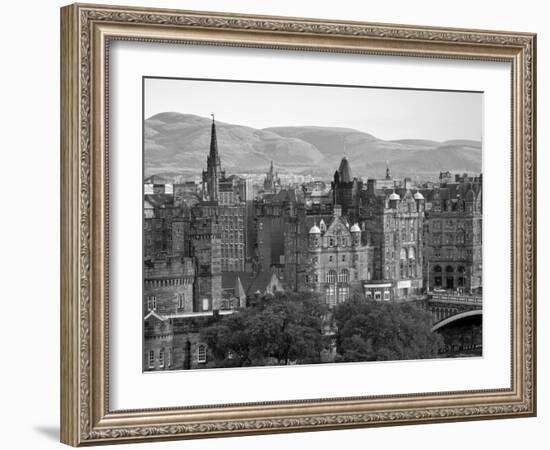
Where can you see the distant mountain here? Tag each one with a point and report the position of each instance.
(178, 144)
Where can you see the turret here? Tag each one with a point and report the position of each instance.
(394, 199)
(419, 199)
(314, 237)
(355, 234)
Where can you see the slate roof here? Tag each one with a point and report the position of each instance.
(250, 283)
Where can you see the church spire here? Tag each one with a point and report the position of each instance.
(388, 173)
(213, 156)
(213, 173)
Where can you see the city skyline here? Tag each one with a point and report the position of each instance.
(238, 273)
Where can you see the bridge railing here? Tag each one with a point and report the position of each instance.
(466, 299)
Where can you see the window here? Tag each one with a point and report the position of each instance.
(205, 304)
(343, 293)
(386, 295)
(343, 257)
(330, 258)
(169, 357)
(201, 355)
(181, 300)
(377, 295)
(330, 277)
(161, 357)
(343, 276)
(151, 359)
(331, 242)
(151, 302)
(330, 295)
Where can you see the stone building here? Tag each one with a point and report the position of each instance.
(173, 342)
(223, 205)
(453, 236)
(271, 214)
(394, 219)
(231, 225)
(339, 259)
(159, 238)
(168, 285)
(205, 246)
(347, 190)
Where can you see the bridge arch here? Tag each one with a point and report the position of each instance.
(462, 315)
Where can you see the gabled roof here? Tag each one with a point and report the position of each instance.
(339, 225)
(249, 282)
(153, 314)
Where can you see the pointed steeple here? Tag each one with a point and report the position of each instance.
(213, 173)
(214, 155)
(388, 173)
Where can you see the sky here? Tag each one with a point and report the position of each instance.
(385, 113)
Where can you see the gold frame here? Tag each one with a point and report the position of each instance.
(86, 31)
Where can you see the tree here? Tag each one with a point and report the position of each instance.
(280, 329)
(375, 331)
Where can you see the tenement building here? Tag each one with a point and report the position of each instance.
(453, 236)
(394, 218)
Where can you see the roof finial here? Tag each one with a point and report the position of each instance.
(344, 144)
(213, 118)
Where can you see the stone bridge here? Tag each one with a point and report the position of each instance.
(458, 318)
(444, 305)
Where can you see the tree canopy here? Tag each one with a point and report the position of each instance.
(282, 329)
(380, 331)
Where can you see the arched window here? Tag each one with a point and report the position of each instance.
(412, 253)
(437, 268)
(343, 276)
(449, 269)
(330, 277)
(403, 254)
(461, 269)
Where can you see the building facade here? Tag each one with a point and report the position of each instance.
(339, 259)
(453, 236)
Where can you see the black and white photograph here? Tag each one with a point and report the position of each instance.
(288, 224)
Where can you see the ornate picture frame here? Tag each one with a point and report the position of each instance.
(86, 34)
